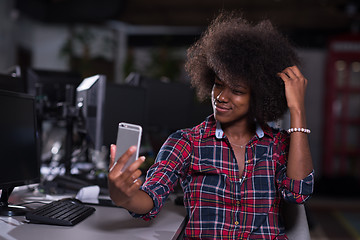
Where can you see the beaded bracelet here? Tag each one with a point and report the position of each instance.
(303, 130)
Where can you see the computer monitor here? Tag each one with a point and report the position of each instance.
(102, 105)
(123, 103)
(90, 100)
(52, 88)
(12, 83)
(19, 150)
(168, 104)
(54, 92)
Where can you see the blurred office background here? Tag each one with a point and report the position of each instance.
(123, 39)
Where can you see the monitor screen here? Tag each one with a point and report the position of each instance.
(19, 158)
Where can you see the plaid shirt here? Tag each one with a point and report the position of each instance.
(220, 203)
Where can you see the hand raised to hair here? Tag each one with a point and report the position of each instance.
(295, 87)
(123, 184)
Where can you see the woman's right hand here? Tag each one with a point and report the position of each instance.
(123, 184)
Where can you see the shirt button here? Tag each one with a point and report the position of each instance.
(238, 202)
(236, 223)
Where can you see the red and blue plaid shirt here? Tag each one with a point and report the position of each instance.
(220, 203)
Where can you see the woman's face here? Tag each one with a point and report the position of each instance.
(230, 104)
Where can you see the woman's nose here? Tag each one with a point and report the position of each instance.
(222, 96)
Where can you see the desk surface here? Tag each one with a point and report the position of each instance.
(105, 223)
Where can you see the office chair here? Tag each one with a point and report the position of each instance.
(296, 224)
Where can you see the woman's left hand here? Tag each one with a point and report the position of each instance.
(299, 158)
(295, 87)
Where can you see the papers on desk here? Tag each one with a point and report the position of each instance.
(46, 198)
(89, 194)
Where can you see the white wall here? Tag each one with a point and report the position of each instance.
(46, 45)
(314, 61)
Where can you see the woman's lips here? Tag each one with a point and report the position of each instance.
(222, 108)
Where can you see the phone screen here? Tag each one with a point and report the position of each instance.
(128, 135)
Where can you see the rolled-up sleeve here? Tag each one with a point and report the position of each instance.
(154, 211)
(294, 191)
(297, 191)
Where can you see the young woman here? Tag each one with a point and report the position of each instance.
(234, 169)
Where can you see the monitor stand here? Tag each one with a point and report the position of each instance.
(6, 209)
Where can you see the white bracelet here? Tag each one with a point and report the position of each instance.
(303, 130)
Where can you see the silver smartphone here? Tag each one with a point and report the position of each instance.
(128, 135)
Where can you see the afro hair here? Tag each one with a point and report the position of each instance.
(236, 50)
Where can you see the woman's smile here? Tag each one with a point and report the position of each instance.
(229, 104)
(221, 107)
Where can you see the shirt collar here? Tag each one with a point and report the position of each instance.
(259, 131)
(219, 133)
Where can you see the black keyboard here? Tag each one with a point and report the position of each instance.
(65, 212)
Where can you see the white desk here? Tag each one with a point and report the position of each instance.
(105, 223)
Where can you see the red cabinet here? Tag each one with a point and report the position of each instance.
(342, 108)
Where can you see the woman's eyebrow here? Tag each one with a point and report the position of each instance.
(241, 86)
